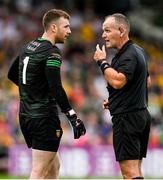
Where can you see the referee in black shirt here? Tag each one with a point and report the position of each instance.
(36, 71)
(128, 79)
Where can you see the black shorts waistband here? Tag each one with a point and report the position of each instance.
(129, 112)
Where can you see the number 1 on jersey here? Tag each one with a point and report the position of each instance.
(25, 63)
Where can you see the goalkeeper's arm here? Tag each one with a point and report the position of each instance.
(13, 73)
(58, 92)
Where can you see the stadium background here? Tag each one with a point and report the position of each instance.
(20, 21)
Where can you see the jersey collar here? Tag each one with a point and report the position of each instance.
(41, 39)
(124, 47)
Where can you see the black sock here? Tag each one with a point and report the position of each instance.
(138, 178)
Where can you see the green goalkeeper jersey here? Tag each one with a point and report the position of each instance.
(37, 73)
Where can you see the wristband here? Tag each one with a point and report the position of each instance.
(99, 62)
(103, 65)
(71, 112)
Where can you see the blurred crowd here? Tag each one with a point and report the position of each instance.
(20, 22)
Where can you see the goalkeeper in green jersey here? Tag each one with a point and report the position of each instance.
(36, 71)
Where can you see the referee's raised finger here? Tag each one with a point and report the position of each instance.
(97, 47)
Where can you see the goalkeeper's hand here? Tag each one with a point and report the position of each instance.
(77, 124)
(105, 104)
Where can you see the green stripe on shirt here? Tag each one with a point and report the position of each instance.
(53, 63)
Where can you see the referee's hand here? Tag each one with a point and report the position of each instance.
(77, 125)
(100, 54)
(105, 104)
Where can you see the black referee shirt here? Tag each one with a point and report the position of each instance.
(131, 60)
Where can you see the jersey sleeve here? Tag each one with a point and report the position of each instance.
(54, 60)
(147, 60)
(13, 73)
(52, 70)
(127, 67)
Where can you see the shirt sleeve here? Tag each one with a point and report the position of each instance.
(52, 70)
(13, 73)
(127, 67)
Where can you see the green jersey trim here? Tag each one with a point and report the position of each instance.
(55, 63)
(42, 39)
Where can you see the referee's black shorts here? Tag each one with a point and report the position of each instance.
(41, 133)
(131, 135)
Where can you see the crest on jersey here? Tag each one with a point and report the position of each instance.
(58, 133)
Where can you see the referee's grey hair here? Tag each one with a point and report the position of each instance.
(120, 19)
